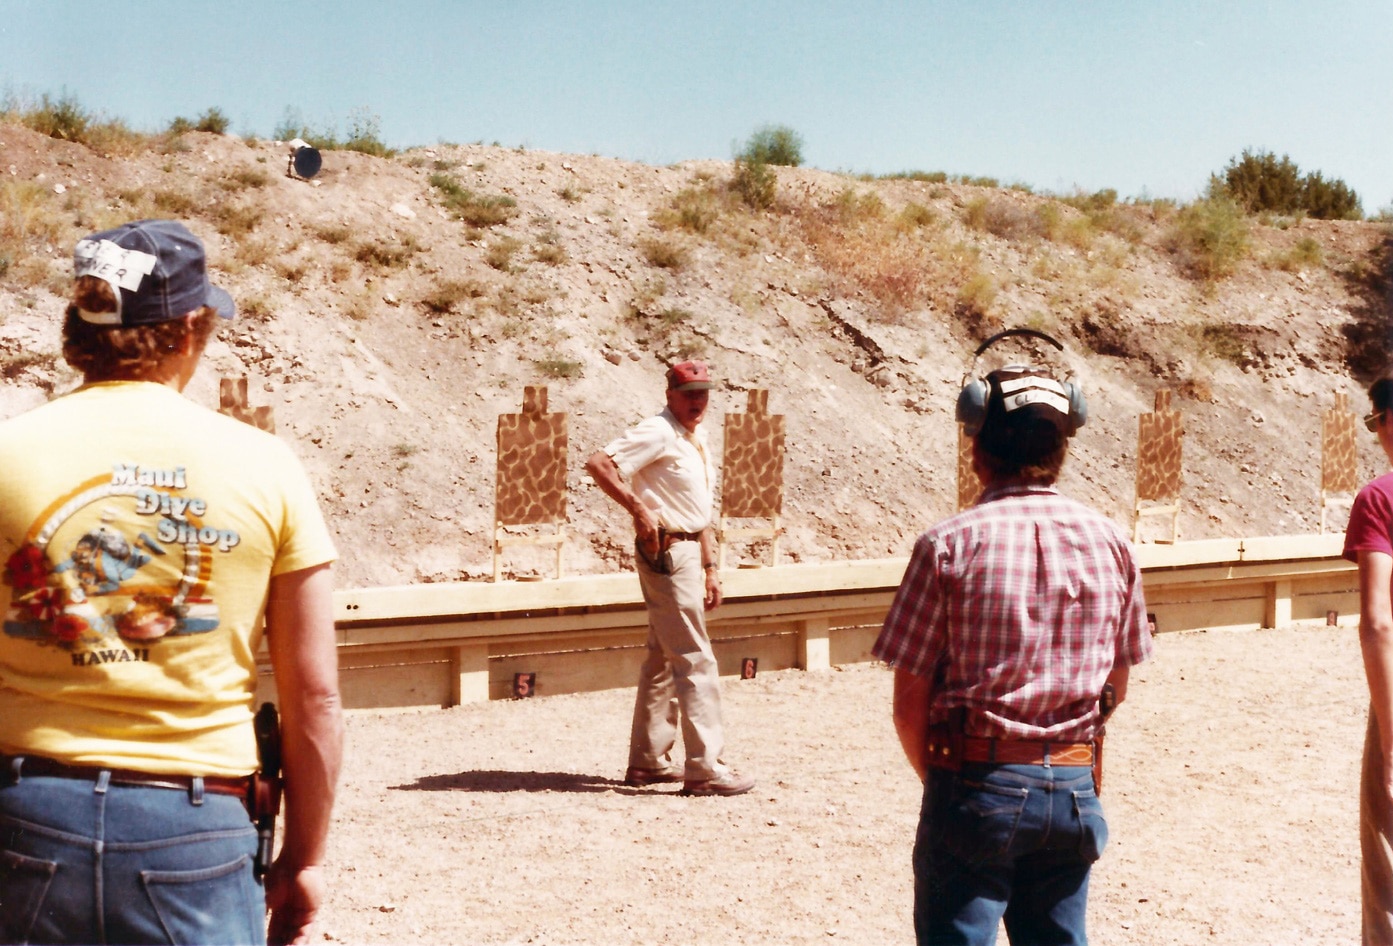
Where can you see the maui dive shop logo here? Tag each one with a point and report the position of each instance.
(127, 555)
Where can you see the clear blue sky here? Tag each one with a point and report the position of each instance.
(1145, 96)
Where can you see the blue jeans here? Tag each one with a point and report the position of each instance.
(1012, 841)
(87, 862)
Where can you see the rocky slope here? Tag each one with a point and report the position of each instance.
(388, 329)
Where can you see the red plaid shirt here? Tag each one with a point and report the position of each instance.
(1017, 609)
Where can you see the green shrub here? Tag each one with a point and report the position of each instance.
(61, 118)
(1263, 183)
(1329, 200)
(1306, 254)
(1211, 237)
(755, 182)
(929, 177)
(559, 367)
(213, 121)
(774, 144)
(694, 209)
(236, 220)
(364, 134)
(474, 209)
(914, 216)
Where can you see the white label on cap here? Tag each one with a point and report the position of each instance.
(116, 264)
(1020, 392)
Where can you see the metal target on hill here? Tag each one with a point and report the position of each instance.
(306, 161)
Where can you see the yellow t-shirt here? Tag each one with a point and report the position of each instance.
(138, 532)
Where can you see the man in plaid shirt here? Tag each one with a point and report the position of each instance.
(1011, 637)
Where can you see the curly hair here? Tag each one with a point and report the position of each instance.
(126, 353)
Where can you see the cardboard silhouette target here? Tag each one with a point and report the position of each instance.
(1160, 437)
(752, 476)
(530, 487)
(1339, 457)
(232, 401)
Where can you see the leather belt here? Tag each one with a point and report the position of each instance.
(20, 766)
(1026, 752)
(682, 536)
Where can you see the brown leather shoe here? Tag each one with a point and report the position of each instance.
(731, 783)
(639, 778)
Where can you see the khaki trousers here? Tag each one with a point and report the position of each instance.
(679, 672)
(1375, 843)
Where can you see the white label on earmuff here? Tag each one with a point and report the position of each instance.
(1021, 392)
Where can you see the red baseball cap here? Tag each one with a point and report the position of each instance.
(689, 376)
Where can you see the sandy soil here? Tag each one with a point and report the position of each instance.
(508, 823)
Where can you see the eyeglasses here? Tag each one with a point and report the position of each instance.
(1371, 421)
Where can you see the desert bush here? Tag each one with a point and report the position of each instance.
(854, 207)
(1261, 182)
(27, 220)
(61, 118)
(1306, 253)
(474, 209)
(446, 296)
(665, 254)
(254, 308)
(213, 121)
(570, 193)
(1222, 340)
(974, 301)
(773, 144)
(236, 220)
(929, 177)
(175, 203)
(1004, 218)
(913, 216)
(500, 253)
(694, 209)
(333, 233)
(1329, 200)
(755, 182)
(291, 270)
(556, 367)
(365, 134)
(548, 249)
(256, 252)
(1210, 237)
(244, 178)
(385, 255)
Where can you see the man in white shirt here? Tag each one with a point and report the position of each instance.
(669, 494)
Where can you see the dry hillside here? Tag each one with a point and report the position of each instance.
(393, 308)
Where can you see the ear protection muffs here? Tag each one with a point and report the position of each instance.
(975, 395)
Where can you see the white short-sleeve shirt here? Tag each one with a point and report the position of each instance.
(670, 470)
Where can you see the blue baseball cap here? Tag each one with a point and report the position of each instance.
(157, 270)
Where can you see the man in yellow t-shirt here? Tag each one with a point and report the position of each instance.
(148, 543)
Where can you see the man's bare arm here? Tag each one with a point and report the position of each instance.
(301, 639)
(911, 713)
(605, 472)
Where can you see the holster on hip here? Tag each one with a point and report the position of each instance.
(660, 564)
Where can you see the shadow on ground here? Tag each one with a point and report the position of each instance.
(494, 780)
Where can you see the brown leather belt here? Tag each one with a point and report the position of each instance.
(682, 536)
(40, 765)
(1026, 752)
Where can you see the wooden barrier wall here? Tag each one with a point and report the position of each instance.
(452, 643)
